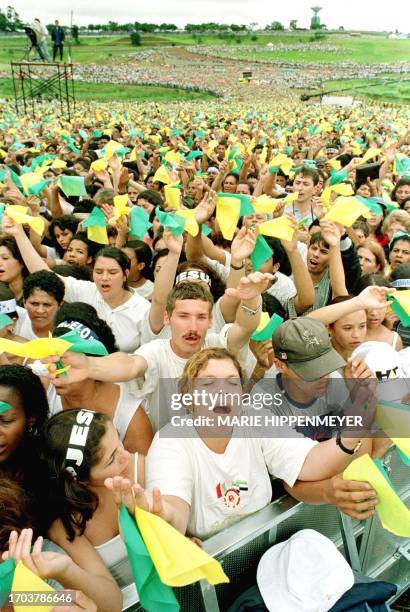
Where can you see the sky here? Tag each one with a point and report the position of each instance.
(351, 14)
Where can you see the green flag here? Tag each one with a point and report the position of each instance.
(72, 185)
(87, 346)
(170, 220)
(6, 577)
(139, 222)
(260, 253)
(154, 595)
(267, 331)
(39, 187)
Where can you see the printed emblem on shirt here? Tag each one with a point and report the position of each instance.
(231, 494)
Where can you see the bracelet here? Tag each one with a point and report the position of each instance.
(348, 451)
(238, 267)
(249, 311)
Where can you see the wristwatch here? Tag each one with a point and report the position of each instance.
(249, 312)
(349, 451)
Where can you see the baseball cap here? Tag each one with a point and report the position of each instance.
(304, 345)
(306, 572)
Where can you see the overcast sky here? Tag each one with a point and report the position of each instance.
(352, 14)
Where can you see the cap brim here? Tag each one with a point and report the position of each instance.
(318, 367)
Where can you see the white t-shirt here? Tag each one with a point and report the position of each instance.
(222, 488)
(23, 325)
(163, 371)
(146, 289)
(128, 322)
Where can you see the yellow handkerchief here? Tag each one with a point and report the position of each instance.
(393, 514)
(370, 154)
(19, 215)
(25, 580)
(227, 216)
(111, 147)
(343, 189)
(177, 559)
(278, 228)
(35, 349)
(121, 205)
(173, 158)
(172, 197)
(264, 204)
(29, 179)
(162, 176)
(191, 225)
(99, 165)
(58, 164)
(346, 210)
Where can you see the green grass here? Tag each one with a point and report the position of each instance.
(396, 92)
(105, 92)
(102, 49)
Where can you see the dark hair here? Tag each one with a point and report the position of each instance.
(69, 498)
(400, 183)
(317, 238)
(121, 258)
(78, 272)
(217, 287)
(46, 281)
(371, 280)
(65, 222)
(87, 315)
(9, 242)
(271, 305)
(308, 172)
(14, 509)
(279, 255)
(152, 196)
(144, 255)
(400, 271)
(92, 247)
(362, 225)
(235, 176)
(85, 163)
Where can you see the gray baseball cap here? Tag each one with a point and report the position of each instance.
(304, 345)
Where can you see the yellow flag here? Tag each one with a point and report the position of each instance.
(173, 158)
(121, 207)
(392, 418)
(29, 179)
(191, 225)
(402, 444)
(25, 581)
(278, 228)
(341, 188)
(335, 164)
(291, 197)
(19, 215)
(58, 164)
(35, 349)
(97, 234)
(111, 147)
(264, 320)
(99, 165)
(177, 559)
(162, 176)
(172, 197)
(264, 204)
(227, 216)
(393, 514)
(346, 210)
(403, 298)
(370, 154)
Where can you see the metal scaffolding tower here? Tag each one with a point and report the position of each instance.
(36, 82)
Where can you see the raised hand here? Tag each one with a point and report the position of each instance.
(205, 208)
(356, 499)
(374, 297)
(250, 286)
(172, 242)
(242, 245)
(43, 563)
(330, 232)
(10, 228)
(291, 245)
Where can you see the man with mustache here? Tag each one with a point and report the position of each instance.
(189, 315)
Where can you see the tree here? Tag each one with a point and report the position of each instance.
(275, 26)
(135, 39)
(293, 24)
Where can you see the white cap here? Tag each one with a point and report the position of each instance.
(389, 367)
(306, 573)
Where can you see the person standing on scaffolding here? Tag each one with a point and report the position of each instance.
(57, 36)
(41, 35)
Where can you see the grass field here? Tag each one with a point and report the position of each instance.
(105, 92)
(364, 49)
(397, 92)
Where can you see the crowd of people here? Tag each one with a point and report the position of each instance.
(154, 232)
